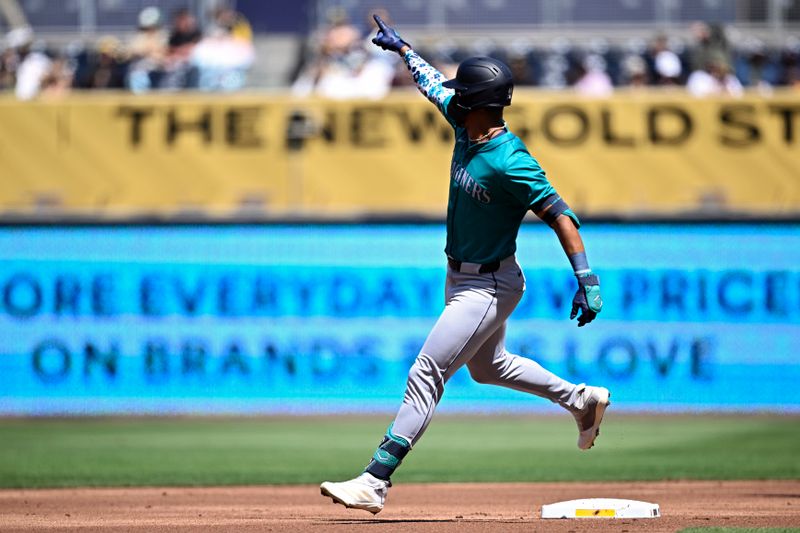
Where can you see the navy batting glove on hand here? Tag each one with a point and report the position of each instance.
(587, 299)
(387, 38)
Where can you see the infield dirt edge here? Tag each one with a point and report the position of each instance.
(436, 507)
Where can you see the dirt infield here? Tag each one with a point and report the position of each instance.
(432, 507)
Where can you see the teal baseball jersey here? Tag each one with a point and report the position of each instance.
(493, 184)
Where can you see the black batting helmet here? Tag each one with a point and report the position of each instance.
(482, 82)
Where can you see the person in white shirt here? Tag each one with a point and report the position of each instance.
(715, 80)
(33, 66)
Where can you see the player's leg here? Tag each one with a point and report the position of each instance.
(470, 317)
(493, 364)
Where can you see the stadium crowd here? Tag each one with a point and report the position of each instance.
(154, 58)
(344, 64)
(339, 62)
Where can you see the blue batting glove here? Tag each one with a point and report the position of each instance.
(387, 38)
(587, 299)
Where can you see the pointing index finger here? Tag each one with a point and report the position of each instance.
(379, 22)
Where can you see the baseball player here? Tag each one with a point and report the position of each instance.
(494, 181)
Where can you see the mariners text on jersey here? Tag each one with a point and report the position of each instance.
(460, 175)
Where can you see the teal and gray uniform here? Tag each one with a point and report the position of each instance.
(492, 186)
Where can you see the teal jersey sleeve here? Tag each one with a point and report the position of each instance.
(429, 82)
(528, 183)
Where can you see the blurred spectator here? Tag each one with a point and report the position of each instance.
(790, 64)
(521, 71)
(179, 72)
(716, 79)
(31, 66)
(757, 63)
(184, 33)
(104, 67)
(337, 37)
(234, 23)
(148, 51)
(58, 80)
(222, 60)
(341, 36)
(8, 68)
(666, 63)
(345, 66)
(354, 75)
(592, 77)
(634, 71)
(710, 46)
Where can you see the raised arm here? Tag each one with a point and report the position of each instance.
(428, 79)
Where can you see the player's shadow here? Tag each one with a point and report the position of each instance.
(378, 521)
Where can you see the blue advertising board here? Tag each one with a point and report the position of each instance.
(314, 318)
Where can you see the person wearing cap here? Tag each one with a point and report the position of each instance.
(33, 66)
(667, 65)
(494, 182)
(147, 50)
(103, 67)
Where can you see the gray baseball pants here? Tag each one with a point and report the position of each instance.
(472, 330)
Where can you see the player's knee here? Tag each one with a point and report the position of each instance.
(481, 375)
(424, 369)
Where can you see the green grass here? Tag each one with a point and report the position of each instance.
(105, 452)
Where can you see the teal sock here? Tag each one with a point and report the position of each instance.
(388, 456)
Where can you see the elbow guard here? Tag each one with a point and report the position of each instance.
(556, 207)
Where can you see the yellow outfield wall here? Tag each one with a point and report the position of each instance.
(656, 154)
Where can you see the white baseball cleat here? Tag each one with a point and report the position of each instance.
(364, 492)
(595, 401)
